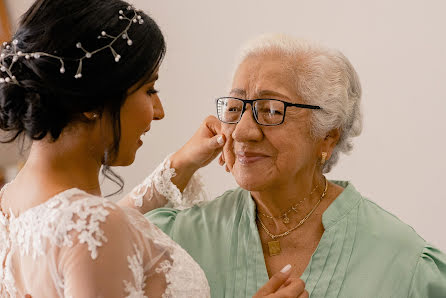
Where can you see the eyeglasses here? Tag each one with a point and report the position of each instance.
(268, 112)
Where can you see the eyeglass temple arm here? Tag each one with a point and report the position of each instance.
(303, 106)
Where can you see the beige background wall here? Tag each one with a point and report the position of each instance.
(399, 50)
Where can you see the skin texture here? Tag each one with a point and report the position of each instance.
(75, 159)
(279, 165)
(140, 108)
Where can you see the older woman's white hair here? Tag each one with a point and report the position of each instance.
(323, 77)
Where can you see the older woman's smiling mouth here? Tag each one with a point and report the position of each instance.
(249, 157)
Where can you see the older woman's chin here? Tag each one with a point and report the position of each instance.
(251, 183)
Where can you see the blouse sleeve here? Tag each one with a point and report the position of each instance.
(123, 263)
(157, 190)
(163, 218)
(429, 279)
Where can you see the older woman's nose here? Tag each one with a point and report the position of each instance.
(247, 129)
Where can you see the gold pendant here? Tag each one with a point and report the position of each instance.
(285, 219)
(274, 248)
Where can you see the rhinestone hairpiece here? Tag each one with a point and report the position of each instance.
(16, 55)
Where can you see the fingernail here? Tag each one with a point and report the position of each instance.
(286, 268)
(220, 140)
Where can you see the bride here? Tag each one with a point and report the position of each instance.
(78, 79)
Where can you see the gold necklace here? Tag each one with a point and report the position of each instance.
(284, 216)
(274, 245)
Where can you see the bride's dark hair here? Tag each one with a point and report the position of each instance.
(44, 101)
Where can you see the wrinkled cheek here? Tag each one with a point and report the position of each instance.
(228, 149)
(229, 156)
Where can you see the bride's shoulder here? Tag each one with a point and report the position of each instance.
(70, 217)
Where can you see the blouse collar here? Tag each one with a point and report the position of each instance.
(341, 206)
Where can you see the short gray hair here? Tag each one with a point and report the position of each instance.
(324, 77)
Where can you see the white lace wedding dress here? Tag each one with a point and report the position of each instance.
(80, 245)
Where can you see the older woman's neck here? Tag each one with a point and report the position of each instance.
(279, 197)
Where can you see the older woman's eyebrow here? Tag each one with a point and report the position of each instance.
(238, 92)
(263, 93)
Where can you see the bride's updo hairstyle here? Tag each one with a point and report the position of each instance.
(45, 97)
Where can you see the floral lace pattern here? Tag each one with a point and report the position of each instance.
(136, 266)
(6, 276)
(74, 217)
(184, 276)
(54, 219)
(160, 180)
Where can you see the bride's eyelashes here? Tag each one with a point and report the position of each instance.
(152, 91)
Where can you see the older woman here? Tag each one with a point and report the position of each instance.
(293, 108)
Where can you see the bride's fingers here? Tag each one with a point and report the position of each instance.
(221, 159)
(213, 124)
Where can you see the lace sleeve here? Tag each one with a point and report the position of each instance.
(124, 265)
(79, 245)
(157, 190)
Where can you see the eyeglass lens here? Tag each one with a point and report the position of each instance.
(267, 112)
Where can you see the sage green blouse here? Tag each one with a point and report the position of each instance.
(364, 251)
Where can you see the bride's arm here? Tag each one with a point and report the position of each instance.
(174, 180)
(112, 259)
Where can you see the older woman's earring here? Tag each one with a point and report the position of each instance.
(323, 158)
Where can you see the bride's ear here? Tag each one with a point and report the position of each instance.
(91, 116)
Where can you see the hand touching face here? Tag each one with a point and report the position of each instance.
(268, 156)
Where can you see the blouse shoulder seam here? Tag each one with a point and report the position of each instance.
(415, 269)
(416, 238)
(332, 224)
(223, 196)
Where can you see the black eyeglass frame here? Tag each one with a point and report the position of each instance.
(252, 101)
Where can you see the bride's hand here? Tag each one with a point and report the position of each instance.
(199, 151)
(281, 285)
(202, 148)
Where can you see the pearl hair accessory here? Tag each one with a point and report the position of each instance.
(10, 50)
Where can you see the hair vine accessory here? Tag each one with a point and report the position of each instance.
(12, 49)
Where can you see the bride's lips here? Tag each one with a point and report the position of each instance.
(140, 142)
(249, 157)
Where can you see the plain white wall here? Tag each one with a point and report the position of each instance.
(397, 47)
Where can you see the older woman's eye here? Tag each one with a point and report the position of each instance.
(276, 112)
(271, 112)
(269, 116)
(233, 109)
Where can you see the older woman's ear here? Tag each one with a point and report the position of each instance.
(330, 141)
(334, 134)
